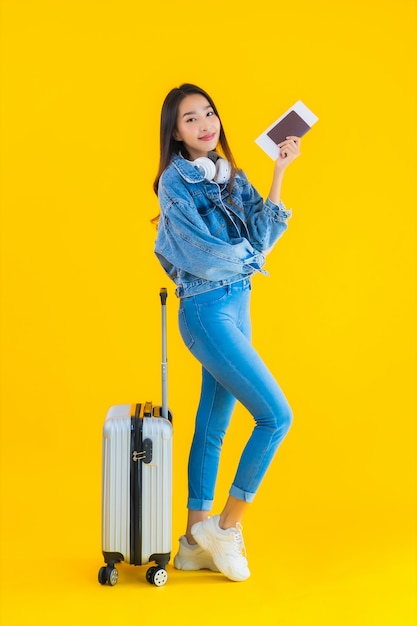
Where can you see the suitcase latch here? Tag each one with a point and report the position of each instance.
(144, 455)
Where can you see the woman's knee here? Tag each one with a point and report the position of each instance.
(286, 418)
(278, 420)
(283, 418)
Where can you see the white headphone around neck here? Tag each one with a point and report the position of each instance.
(213, 167)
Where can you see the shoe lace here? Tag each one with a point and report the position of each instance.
(238, 539)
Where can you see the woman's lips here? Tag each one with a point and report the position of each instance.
(208, 137)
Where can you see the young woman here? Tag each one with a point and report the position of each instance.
(214, 231)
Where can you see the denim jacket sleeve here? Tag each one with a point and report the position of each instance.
(185, 242)
(265, 220)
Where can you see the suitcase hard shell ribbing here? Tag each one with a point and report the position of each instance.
(137, 484)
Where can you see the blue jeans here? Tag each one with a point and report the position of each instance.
(216, 328)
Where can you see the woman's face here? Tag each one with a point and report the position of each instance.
(198, 127)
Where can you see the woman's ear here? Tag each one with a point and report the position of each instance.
(176, 135)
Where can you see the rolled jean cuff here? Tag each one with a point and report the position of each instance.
(246, 496)
(199, 505)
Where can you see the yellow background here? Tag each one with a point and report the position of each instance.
(331, 535)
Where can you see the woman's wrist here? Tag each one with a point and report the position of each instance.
(275, 192)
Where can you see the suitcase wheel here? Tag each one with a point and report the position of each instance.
(108, 574)
(156, 575)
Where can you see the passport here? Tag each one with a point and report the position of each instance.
(297, 121)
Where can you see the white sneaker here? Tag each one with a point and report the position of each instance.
(193, 557)
(225, 546)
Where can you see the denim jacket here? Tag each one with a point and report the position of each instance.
(208, 237)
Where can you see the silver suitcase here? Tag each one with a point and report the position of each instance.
(137, 483)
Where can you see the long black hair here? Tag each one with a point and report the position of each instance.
(170, 146)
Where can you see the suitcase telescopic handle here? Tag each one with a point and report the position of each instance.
(164, 365)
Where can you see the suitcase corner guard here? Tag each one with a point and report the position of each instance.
(111, 558)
